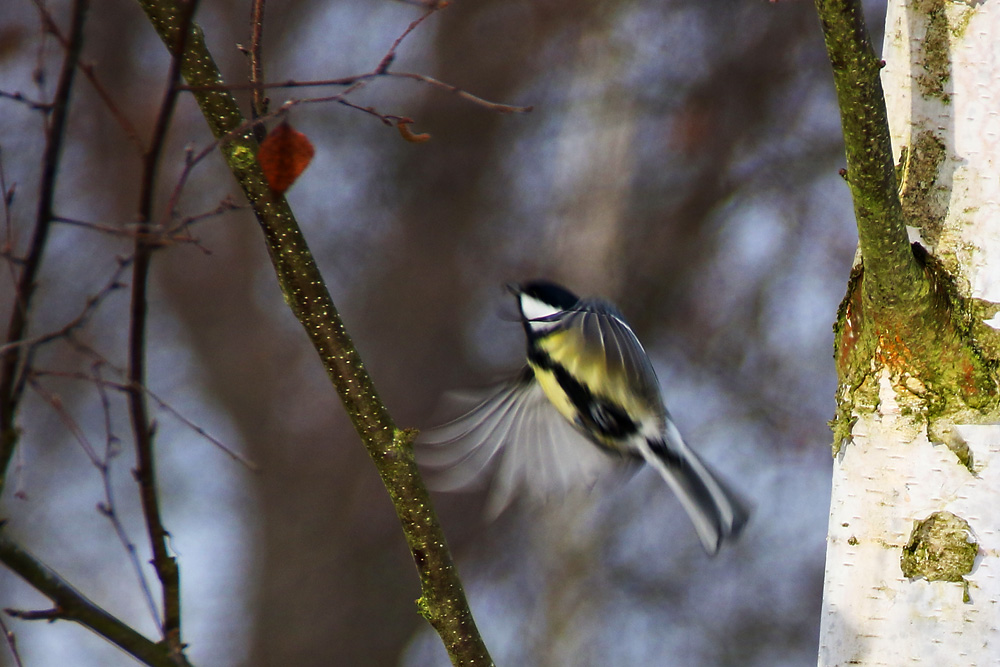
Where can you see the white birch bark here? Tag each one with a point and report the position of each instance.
(942, 84)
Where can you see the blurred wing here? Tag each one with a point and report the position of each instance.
(621, 363)
(513, 433)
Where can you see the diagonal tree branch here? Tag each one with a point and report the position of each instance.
(443, 601)
(72, 605)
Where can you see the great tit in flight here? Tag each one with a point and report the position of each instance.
(588, 395)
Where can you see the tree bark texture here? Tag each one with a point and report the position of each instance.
(913, 576)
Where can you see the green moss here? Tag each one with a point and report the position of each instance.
(961, 23)
(942, 373)
(923, 208)
(942, 432)
(424, 609)
(241, 156)
(935, 59)
(941, 548)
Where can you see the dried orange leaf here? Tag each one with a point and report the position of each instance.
(403, 125)
(283, 156)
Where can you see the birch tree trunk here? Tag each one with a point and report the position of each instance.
(912, 573)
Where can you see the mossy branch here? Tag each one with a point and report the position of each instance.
(442, 600)
(894, 282)
(903, 310)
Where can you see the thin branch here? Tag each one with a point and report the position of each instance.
(71, 424)
(442, 600)
(26, 101)
(260, 114)
(103, 466)
(387, 59)
(12, 360)
(257, 85)
(112, 448)
(160, 402)
(71, 605)
(260, 101)
(143, 429)
(352, 80)
(7, 195)
(123, 122)
(78, 322)
(111, 230)
(11, 640)
(234, 455)
(465, 95)
(88, 71)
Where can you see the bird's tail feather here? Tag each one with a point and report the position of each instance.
(717, 512)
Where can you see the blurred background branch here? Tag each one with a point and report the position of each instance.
(14, 366)
(71, 605)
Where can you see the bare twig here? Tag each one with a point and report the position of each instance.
(257, 85)
(260, 113)
(55, 402)
(78, 322)
(143, 429)
(26, 101)
(11, 640)
(160, 402)
(112, 230)
(7, 194)
(387, 59)
(11, 362)
(465, 95)
(236, 456)
(72, 605)
(185, 224)
(103, 466)
(352, 80)
(53, 614)
(260, 102)
(88, 71)
(123, 122)
(112, 448)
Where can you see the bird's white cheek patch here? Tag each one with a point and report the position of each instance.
(533, 309)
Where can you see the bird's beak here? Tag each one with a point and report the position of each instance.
(514, 289)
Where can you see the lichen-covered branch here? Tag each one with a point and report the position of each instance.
(443, 601)
(71, 605)
(891, 271)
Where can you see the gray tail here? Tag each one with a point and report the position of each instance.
(716, 511)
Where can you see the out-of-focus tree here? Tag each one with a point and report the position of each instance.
(912, 549)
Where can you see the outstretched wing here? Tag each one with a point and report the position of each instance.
(513, 434)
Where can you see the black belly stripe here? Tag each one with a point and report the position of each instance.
(597, 414)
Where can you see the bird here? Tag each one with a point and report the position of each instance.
(588, 396)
